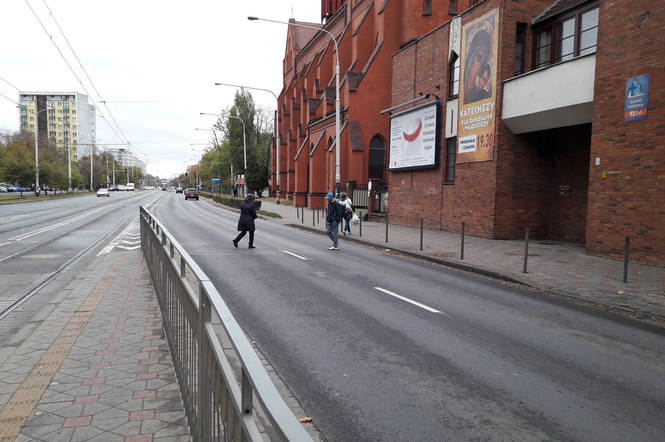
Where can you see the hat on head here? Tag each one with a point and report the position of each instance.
(330, 195)
(251, 197)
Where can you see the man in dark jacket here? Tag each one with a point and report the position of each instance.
(246, 221)
(334, 217)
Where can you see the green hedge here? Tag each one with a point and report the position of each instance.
(229, 200)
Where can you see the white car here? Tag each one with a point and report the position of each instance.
(103, 192)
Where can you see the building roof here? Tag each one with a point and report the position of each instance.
(558, 7)
(302, 35)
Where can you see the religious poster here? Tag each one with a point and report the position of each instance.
(477, 96)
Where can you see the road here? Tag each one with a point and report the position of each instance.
(378, 347)
(45, 239)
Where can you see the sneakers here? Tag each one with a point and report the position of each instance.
(333, 248)
(344, 233)
(235, 243)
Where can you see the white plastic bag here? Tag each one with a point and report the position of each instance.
(356, 220)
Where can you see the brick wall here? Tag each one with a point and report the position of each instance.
(631, 201)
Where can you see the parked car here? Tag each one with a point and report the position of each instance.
(3, 189)
(178, 190)
(103, 192)
(191, 193)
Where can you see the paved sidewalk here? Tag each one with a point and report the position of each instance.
(97, 368)
(562, 268)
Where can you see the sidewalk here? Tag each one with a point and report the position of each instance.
(561, 268)
(97, 368)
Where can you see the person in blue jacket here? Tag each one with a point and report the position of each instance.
(246, 221)
(334, 217)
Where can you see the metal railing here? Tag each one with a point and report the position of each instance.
(218, 401)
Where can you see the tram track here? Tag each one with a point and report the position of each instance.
(51, 276)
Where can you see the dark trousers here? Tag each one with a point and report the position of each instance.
(242, 235)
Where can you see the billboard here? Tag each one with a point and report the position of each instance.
(414, 138)
(477, 103)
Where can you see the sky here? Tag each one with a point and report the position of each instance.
(153, 63)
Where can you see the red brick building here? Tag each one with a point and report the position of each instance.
(562, 133)
(368, 33)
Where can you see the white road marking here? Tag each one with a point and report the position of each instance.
(4, 243)
(423, 306)
(117, 239)
(128, 248)
(293, 254)
(54, 226)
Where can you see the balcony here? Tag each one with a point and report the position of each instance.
(557, 96)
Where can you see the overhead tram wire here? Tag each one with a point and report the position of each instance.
(126, 140)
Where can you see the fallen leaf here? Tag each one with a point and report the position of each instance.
(621, 293)
(305, 419)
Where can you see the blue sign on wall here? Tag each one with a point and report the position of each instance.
(637, 97)
(215, 180)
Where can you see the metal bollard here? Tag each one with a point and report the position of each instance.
(421, 234)
(302, 212)
(462, 252)
(318, 212)
(625, 260)
(360, 218)
(313, 219)
(386, 228)
(526, 250)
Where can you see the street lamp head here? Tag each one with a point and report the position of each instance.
(250, 18)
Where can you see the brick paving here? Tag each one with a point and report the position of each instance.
(116, 382)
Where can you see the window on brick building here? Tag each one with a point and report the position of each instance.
(427, 7)
(377, 158)
(520, 39)
(451, 158)
(453, 75)
(568, 36)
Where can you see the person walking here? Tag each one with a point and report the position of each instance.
(246, 221)
(334, 217)
(347, 205)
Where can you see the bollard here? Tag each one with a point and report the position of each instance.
(386, 228)
(625, 260)
(318, 212)
(297, 212)
(462, 253)
(313, 219)
(302, 212)
(360, 218)
(526, 250)
(421, 234)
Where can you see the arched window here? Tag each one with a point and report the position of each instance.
(453, 75)
(377, 158)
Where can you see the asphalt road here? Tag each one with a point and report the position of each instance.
(378, 347)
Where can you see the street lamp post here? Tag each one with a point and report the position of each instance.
(244, 145)
(337, 117)
(92, 156)
(37, 150)
(276, 128)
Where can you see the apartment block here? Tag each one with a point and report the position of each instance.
(66, 119)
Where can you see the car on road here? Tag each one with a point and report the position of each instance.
(191, 193)
(178, 190)
(103, 192)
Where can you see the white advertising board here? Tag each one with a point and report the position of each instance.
(414, 138)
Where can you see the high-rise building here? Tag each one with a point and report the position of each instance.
(60, 117)
(126, 157)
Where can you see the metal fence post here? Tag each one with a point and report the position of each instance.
(526, 250)
(462, 252)
(203, 415)
(421, 233)
(625, 260)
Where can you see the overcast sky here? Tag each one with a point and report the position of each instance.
(154, 63)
